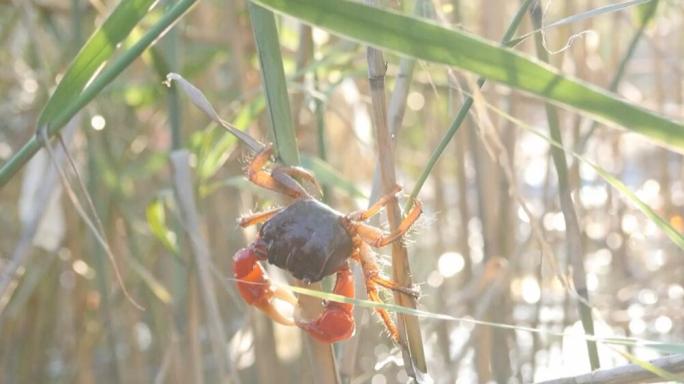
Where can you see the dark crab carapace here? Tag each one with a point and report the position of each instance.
(308, 239)
(311, 240)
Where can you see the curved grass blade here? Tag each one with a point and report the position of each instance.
(648, 366)
(60, 117)
(624, 341)
(411, 36)
(201, 102)
(664, 225)
(581, 17)
(94, 54)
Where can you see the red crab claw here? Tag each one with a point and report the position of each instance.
(255, 287)
(336, 323)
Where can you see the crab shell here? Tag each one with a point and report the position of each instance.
(307, 239)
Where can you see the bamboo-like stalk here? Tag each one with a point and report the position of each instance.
(25, 244)
(188, 210)
(575, 249)
(395, 115)
(627, 374)
(409, 327)
(323, 363)
(183, 281)
(99, 264)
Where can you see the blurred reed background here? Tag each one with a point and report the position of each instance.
(476, 253)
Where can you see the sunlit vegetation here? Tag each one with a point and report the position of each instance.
(544, 140)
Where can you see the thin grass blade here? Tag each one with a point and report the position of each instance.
(95, 53)
(411, 36)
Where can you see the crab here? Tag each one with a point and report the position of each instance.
(311, 240)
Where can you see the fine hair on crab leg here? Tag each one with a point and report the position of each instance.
(364, 255)
(376, 207)
(379, 238)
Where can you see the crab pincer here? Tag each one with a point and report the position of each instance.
(336, 323)
(255, 286)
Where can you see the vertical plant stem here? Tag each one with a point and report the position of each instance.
(193, 330)
(99, 263)
(265, 34)
(182, 176)
(409, 327)
(575, 251)
(463, 112)
(238, 59)
(396, 109)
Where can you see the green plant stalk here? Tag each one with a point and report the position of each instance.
(275, 85)
(99, 263)
(575, 250)
(265, 34)
(463, 112)
(107, 76)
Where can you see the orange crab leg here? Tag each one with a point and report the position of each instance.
(378, 238)
(255, 287)
(336, 323)
(374, 209)
(280, 180)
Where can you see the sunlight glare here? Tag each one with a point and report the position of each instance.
(531, 292)
(450, 263)
(98, 122)
(663, 324)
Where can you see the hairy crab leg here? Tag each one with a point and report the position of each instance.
(379, 238)
(364, 256)
(375, 208)
(336, 323)
(384, 282)
(257, 175)
(255, 286)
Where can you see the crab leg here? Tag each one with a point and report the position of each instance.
(374, 209)
(336, 323)
(280, 181)
(255, 287)
(371, 273)
(288, 176)
(378, 238)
